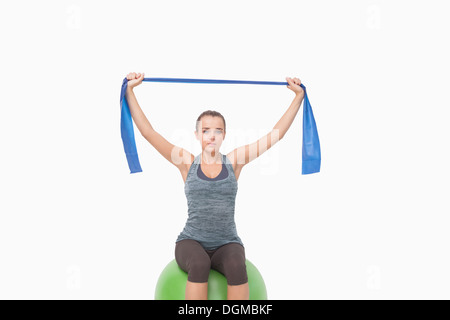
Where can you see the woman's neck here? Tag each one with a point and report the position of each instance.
(211, 158)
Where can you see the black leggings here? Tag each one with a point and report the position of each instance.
(228, 259)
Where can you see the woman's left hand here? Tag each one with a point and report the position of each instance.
(294, 85)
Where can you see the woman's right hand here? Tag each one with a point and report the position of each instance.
(134, 79)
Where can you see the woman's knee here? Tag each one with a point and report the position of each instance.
(234, 265)
(199, 263)
(235, 270)
(198, 269)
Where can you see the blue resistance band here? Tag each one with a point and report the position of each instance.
(311, 156)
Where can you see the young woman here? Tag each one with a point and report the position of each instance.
(209, 238)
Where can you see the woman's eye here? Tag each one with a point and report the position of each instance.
(217, 131)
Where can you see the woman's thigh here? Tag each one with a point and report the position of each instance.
(230, 261)
(193, 259)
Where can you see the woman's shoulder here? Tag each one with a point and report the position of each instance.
(230, 158)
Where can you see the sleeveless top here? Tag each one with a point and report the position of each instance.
(211, 203)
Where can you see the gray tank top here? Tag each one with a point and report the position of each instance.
(211, 204)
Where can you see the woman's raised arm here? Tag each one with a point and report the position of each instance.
(137, 114)
(179, 157)
(247, 153)
(286, 120)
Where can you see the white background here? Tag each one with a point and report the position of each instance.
(373, 224)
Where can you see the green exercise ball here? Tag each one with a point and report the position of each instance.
(171, 284)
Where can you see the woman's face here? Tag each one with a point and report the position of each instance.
(210, 132)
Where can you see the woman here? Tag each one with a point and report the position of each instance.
(209, 238)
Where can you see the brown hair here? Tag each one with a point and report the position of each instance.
(213, 114)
